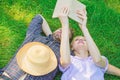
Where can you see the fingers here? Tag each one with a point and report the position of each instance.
(64, 11)
(85, 11)
(82, 14)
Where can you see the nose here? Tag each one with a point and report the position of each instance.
(80, 40)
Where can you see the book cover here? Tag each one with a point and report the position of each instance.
(73, 5)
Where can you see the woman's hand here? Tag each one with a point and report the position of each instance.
(63, 16)
(82, 15)
(64, 46)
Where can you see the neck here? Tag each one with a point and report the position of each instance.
(82, 54)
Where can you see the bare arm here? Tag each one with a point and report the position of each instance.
(64, 47)
(93, 49)
(113, 70)
(46, 28)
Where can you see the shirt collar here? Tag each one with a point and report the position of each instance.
(76, 57)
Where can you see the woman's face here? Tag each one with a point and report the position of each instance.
(79, 43)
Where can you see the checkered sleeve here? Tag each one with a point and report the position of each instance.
(35, 26)
(13, 70)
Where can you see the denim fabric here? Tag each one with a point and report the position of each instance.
(34, 35)
(1, 71)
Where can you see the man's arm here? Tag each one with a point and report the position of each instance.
(37, 26)
(46, 28)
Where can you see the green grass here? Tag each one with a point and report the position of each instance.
(103, 24)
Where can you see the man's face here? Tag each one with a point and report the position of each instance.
(57, 34)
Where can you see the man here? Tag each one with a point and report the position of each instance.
(34, 34)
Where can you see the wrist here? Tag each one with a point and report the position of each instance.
(65, 23)
(84, 29)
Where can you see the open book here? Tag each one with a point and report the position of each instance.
(73, 5)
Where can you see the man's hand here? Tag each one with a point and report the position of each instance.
(82, 15)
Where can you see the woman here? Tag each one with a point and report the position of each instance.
(88, 63)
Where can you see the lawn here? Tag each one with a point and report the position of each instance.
(103, 24)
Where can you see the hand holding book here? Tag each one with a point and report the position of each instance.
(83, 16)
(63, 16)
(73, 6)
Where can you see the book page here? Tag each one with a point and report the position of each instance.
(59, 5)
(74, 7)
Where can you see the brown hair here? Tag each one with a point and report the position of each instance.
(73, 41)
(71, 34)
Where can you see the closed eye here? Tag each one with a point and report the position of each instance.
(76, 39)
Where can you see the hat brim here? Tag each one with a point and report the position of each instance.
(32, 69)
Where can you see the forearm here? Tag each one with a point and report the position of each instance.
(46, 28)
(93, 49)
(94, 52)
(64, 48)
(113, 70)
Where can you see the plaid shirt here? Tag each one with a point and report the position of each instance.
(34, 35)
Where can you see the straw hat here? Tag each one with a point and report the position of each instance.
(36, 59)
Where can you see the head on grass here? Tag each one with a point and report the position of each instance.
(58, 32)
